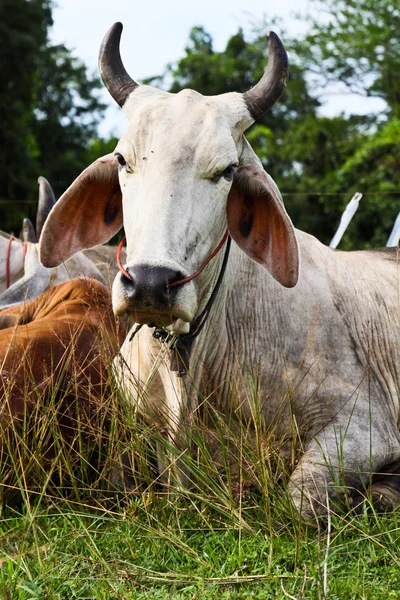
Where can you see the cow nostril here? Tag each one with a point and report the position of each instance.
(127, 281)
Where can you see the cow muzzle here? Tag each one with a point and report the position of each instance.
(146, 296)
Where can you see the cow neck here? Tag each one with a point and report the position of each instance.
(8, 259)
(181, 345)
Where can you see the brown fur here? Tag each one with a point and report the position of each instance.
(58, 352)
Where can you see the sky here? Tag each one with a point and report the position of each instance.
(156, 32)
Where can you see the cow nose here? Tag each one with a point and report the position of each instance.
(147, 285)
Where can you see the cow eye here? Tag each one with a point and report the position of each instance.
(120, 159)
(230, 171)
(227, 173)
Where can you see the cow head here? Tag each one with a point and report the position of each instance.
(180, 175)
(18, 254)
(28, 277)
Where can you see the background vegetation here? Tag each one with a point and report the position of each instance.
(50, 110)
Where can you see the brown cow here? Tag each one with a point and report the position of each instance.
(55, 353)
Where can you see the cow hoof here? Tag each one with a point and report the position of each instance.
(313, 505)
(384, 497)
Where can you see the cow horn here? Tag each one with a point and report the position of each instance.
(112, 71)
(46, 203)
(28, 231)
(267, 91)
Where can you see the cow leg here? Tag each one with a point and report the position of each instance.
(314, 485)
(339, 464)
(157, 394)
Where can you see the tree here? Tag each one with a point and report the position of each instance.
(23, 35)
(49, 108)
(66, 116)
(356, 43)
(374, 168)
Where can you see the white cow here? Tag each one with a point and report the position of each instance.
(16, 254)
(324, 356)
(22, 276)
(12, 259)
(22, 271)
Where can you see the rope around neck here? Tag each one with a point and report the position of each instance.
(181, 345)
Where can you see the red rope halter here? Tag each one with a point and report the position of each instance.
(119, 263)
(8, 259)
(181, 281)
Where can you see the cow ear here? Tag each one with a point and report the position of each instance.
(260, 225)
(87, 214)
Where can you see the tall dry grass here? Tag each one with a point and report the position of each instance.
(87, 512)
(85, 442)
(68, 440)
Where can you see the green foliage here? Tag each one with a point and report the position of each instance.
(314, 153)
(374, 169)
(358, 44)
(66, 116)
(152, 548)
(49, 109)
(232, 533)
(23, 35)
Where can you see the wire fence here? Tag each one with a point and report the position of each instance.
(377, 193)
(12, 202)
(380, 193)
(345, 218)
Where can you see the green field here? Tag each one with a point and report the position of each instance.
(69, 530)
(150, 548)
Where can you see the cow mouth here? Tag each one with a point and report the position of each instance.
(144, 316)
(151, 318)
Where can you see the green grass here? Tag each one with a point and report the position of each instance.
(68, 531)
(158, 549)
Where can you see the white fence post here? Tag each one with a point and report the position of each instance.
(347, 216)
(395, 235)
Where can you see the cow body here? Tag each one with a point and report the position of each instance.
(11, 252)
(323, 355)
(56, 350)
(29, 278)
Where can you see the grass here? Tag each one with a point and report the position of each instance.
(69, 529)
(70, 551)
